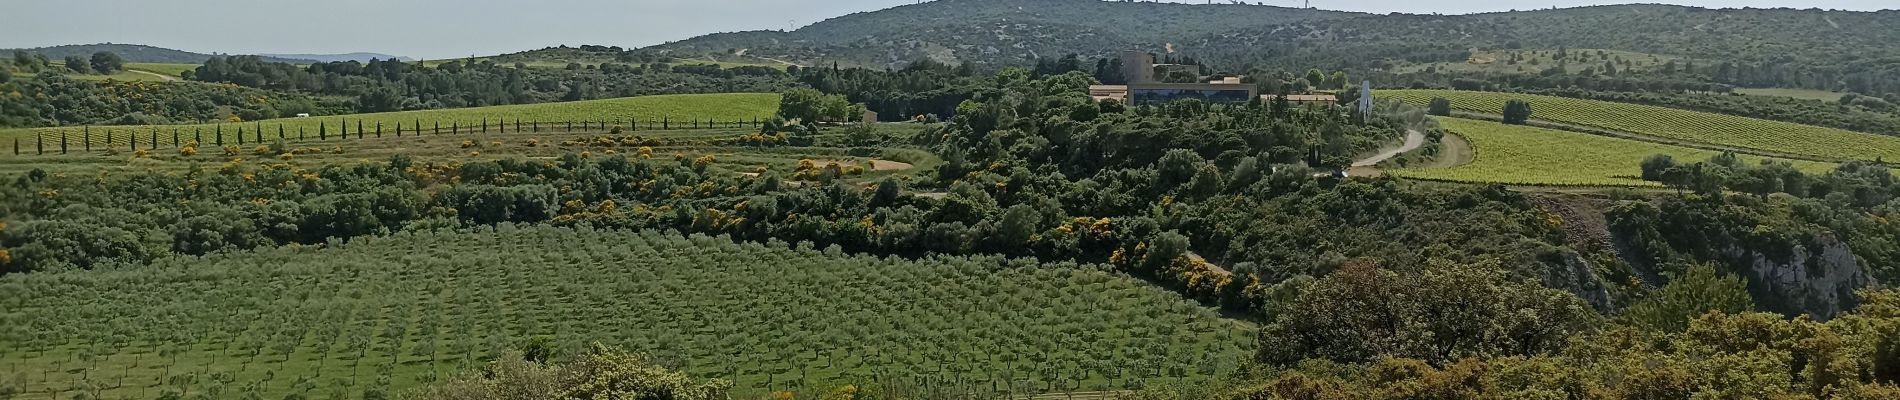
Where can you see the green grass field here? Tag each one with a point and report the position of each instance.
(650, 110)
(171, 70)
(1522, 155)
(1678, 125)
(1807, 94)
(394, 312)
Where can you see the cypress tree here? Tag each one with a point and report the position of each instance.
(379, 130)
(323, 131)
(220, 137)
(240, 135)
(88, 138)
(359, 129)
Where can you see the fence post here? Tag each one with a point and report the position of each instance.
(398, 129)
(39, 144)
(280, 132)
(438, 128)
(484, 124)
(174, 137)
(633, 124)
(300, 133)
(666, 123)
(62, 142)
(503, 125)
(87, 138)
(455, 128)
(379, 130)
(537, 126)
(154, 138)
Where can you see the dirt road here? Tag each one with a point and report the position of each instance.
(1413, 140)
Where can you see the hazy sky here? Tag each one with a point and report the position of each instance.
(456, 28)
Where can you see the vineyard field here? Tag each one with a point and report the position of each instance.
(387, 313)
(1523, 155)
(1678, 125)
(677, 110)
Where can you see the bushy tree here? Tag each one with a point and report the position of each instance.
(1440, 107)
(78, 64)
(1449, 311)
(1655, 166)
(1699, 290)
(106, 62)
(1517, 112)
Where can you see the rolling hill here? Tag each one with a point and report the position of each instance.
(133, 53)
(1677, 126)
(1824, 47)
(994, 31)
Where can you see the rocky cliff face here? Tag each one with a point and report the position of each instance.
(1818, 279)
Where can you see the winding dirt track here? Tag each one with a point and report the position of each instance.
(159, 75)
(1413, 140)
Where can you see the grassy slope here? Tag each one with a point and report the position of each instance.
(1678, 125)
(172, 70)
(1522, 155)
(743, 312)
(684, 108)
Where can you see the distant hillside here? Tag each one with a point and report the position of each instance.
(993, 32)
(358, 57)
(133, 53)
(1771, 47)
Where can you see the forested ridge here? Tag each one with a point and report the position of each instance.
(1831, 50)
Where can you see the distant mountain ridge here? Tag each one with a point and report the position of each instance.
(1016, 32)
(358, 57)
(134, 53)
(996, 32)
